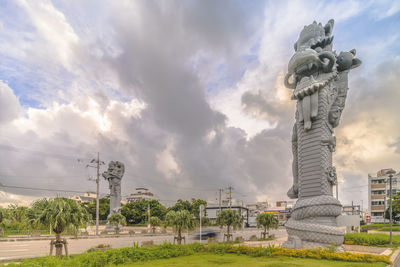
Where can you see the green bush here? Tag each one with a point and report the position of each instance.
(370, 239)
(387, 229)
(165, 251)
(373, 225)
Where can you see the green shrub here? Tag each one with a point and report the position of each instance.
(370, 239)
(387, 229)
(373, 225)
(165, 251)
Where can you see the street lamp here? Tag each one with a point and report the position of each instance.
(390, 173)
(201, 211)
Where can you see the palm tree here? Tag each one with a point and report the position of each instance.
(154, 222)
(180, 221)
(116, 220)
(59, 213)
(230, 218)
(266, 221)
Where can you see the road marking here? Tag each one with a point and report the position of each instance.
(14, 250)
(17, 245)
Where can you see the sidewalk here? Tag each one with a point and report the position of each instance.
(49, 237)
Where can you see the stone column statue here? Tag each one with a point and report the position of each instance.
(319, 79)
(114, 175)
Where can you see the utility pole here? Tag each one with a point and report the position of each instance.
(384, 208)
(230, 188)
(390, 212)
(97, 166)
(219, 200)
(97, 193)
(390, 173)
(201, 208)
(352, 208)
(148, 216)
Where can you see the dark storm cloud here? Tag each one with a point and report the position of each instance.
(157, 54)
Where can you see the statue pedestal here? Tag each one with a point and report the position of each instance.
(112, 229)
(313, 223)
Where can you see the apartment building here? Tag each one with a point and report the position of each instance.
(378, 194)
(141, 193)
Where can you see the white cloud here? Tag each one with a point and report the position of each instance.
(10, 107)
(56, 36)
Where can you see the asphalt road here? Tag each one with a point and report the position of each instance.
(30, 249)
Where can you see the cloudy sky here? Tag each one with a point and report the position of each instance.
(188, 94)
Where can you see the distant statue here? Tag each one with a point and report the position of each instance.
(114, 175)
(319, 80)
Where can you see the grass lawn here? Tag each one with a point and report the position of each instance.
(231, 260)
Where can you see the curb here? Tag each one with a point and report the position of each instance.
(395, 258)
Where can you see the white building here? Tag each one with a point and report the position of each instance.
(378, 194)
(256, 208)
(88, 196)
(141, 193)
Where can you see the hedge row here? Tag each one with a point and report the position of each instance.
(138, 254)
(317, 253)
(370, 239)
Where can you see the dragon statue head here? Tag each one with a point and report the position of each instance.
(313, 66)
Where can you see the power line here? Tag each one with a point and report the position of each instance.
(42, 189)
(12, 148)
(39, 176)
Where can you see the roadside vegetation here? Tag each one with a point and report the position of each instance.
(137, 254)
(17, 220)
(180, 221)
(266, 221)
(233, 260)
(59, 214)
(365, 239)
(230, 219)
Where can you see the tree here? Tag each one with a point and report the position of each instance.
(181, 205)
(116, 220)
(205, 220)
(266, 221)
(17, 214)
(104, 208)
(157, 209)
(137, 212)
(193, 207)
(395, 207)
(154, 222)
(59, 213)
(196, 207)
(180, 221)
(230, 218)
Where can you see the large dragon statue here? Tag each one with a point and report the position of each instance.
(319, 79)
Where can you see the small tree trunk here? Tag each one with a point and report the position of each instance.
(58, 245)
(179, 237)
(265, 232)
(154, 229)
(229, 235)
